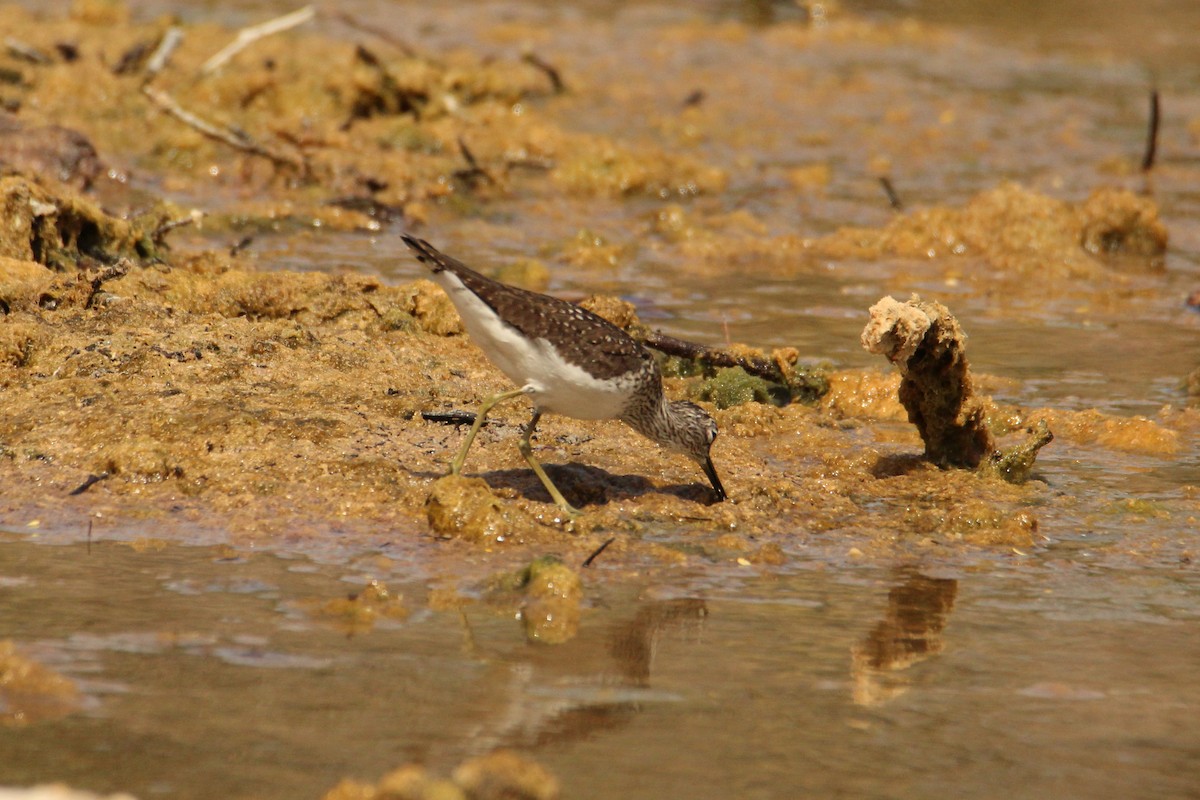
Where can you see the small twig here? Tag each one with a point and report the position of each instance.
(240, 245)
(552, 73)
(162, 54)
(694, 99)
(89, 536)
(587, 562)
(131, 60)
(162, 230)
(91, 481)
(890, 191)
(25, 52)
(117, 270)
(718, 358)
(1151, 133)
(473, 169)
(248, 36)
(236, 139)
(449, 417)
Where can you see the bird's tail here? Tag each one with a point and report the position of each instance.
(430, 256)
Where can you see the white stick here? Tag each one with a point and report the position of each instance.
(248, 36)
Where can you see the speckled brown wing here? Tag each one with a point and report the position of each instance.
(580, 337)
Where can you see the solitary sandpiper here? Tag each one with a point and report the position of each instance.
(567, 361)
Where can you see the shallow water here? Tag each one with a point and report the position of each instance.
(204, 677)
(1065, 672)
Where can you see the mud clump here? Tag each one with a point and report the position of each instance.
(61, 229)
(925, 341)
(499, 775)
(927, 344)
(465, 508)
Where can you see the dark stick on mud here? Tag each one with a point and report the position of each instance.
(25, 52)
(694, 99)
(240, 245)
(91, 481)
(449, 417)
(89, 538)
(473, 169)
(556, 81)
(1151, 133)
(160, 233)
(893, 199)
(718, 358)
(587, 562)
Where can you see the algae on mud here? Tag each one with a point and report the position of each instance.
(278, 406)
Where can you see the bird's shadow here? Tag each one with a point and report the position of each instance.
(585, 485)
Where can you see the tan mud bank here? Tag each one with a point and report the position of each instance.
(187, 390)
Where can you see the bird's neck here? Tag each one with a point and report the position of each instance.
(655, 419)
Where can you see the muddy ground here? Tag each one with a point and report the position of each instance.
(157, 383)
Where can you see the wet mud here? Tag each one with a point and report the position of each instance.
(187, 387)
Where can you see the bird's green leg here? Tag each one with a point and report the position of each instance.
(527, 451)
(456, 464)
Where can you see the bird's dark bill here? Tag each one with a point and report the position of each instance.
(711, 472)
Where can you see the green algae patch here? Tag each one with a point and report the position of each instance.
(733, 386)
(31, 692)
(465, 508)
(1015, 464)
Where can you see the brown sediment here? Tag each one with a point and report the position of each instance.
(31, 692)
(499, 775)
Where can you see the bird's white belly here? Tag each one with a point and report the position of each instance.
(553, 384)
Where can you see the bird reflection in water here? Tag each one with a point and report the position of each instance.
(540, 712)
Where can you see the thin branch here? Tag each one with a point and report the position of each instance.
(893, 198)
(248, 36)
(91, 481)
(25, 52)
(159, 233)
(759, 367)
(1151, 133)
(236, 139)
(587, 562)
(162, 54)
(556, 81)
